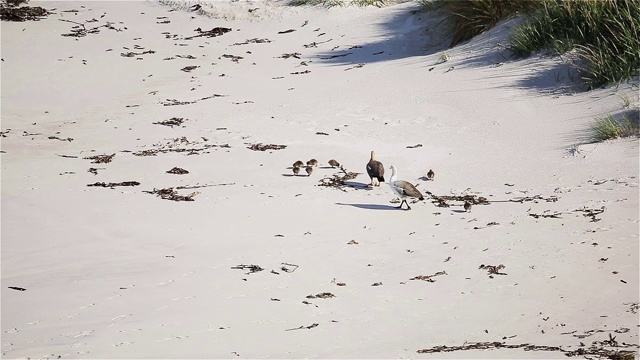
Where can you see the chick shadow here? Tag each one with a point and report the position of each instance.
(370, 206)
(292, 175)
(459, 211)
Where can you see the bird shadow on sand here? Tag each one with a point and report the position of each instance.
(357, 185)
(424, 178)
(371, 206)
(292, 175)
(459, 211)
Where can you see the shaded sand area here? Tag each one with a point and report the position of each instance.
(141, 217)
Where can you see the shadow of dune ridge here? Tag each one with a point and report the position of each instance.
(370, 206)
(407, 31)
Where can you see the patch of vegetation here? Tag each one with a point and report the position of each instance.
(605, 35)
(332, 3)
(472, 17)
(610, 127)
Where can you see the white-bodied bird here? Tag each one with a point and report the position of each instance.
(403, 188)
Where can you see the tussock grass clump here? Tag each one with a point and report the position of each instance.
(469, 18)
(608, 127)
(604, 33)
(332, 3)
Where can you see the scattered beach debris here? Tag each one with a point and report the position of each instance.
(428, 277)
(485, 346)
(134, 54)
(441, 201)
(352, 242)
(177, 170)
(289, 268)
(286, 31)
(189, 68)
(324, 295)
(170, 194)
(252, 41)
(304, 327)
(179, 145)
(171, 102)
(99, 159)
(174, 121)
(321, 133)
(414, 146)
(339, 180)
(555, 215)
(79, 30)
(234, 58)
(59, 138)
(112, 185)
(551, 198)
(592, 213)
(17, 288)
(492, 269)
(187, 187)
(300, 72)
(217, 31)
(69, 156)
(357, 67)
(94, 171)
(376, 284)
(11, 12)
(265, 147)
(289, 55)
(251, 268)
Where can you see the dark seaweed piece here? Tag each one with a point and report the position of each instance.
(112, 185)
(251, 268)
(174, 121)
(264, 147)
(177, 170)
(100, 159)
(170, 194)
(429, 277)
(217, 31)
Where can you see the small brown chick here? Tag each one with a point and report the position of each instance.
(296, 170)
(309, 170)
(334, 163)
(431, 174)
(298, 164)
(312, 162)
(467, 206)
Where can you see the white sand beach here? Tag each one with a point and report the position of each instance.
(264, 264)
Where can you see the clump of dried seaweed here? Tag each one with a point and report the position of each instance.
(339, 180)
(170, 194)
(9, 11)
(442, 201)
(177, 170)
(429, 277)
(112, 185)
(265, 147)
(216, 31)
(172, 102)
(100, 159)
(174, 121)
(492, 269)
(324, 295)
(181, 144)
